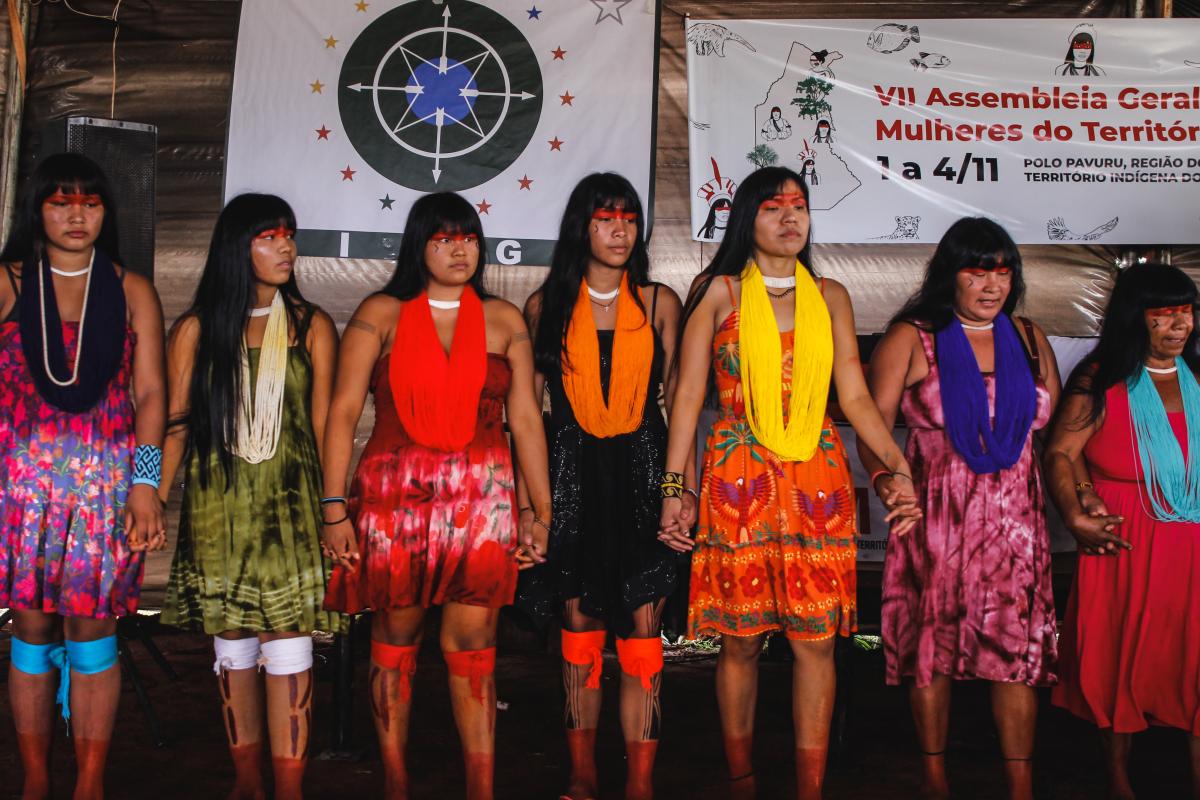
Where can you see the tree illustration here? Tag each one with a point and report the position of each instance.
(762, 156)
(810, 97)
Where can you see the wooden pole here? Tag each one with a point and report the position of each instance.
(14, 108)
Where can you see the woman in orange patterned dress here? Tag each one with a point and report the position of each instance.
(774, 549)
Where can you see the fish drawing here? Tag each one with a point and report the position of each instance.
(891, 36)
(929, 61)
(1057, 230)
(1192, 63)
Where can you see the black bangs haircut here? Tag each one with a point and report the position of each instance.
(738, 245)
(970, 243)
(221, 306)
(1124, 338)
(572, 252)
(434, 213)
(70, 172)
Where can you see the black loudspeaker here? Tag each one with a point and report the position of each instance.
(126, 152)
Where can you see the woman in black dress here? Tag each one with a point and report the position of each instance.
(604, 344)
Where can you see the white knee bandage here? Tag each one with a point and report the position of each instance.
(235, 653)
(287, 656)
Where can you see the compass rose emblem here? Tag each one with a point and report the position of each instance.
(440, 97)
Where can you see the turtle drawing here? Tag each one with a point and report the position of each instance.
(892, 36)
(709, 39)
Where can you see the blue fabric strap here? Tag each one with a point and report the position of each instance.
(86, 658)
(33, 659)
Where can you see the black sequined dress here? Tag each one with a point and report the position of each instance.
(604, 546)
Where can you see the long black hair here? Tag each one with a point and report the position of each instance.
(738, 245)
(569, 264)
(1124, 338)
(221, 306)
(70, 172)
(1069, 58)
(434, 213)
(970, 243)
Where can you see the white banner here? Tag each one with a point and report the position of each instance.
(351, 110)
(1061, 130)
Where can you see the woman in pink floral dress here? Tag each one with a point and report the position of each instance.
(77, 334)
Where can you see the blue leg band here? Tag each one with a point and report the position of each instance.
(33, 659)
(88, 658)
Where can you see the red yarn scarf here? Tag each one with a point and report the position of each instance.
(437, 397)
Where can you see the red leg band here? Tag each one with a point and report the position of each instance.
(641, 658)
(585, 648)
(475, 665)
(401, 659)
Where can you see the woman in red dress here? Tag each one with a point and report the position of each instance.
(433, 498)
(1119, 469)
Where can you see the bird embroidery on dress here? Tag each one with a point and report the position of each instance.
(828, 514)
(742, 501)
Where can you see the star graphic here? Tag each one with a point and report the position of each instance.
(566, 98)
(484, 206)
(347, 173)
(556, 144)
(330, 43)
(386, 202)
(559, 53)
(316, 86)
(323, 133)
(525, 181)
(610, 9)
(534, 13)
(361, 6)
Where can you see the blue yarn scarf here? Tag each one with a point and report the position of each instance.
(1173, 486)
(986, 447)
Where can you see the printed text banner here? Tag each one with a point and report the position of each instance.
(1060, 129)
(352, 110)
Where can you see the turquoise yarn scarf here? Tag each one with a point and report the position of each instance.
(1173, 486)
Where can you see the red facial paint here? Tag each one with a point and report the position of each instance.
(1168, 311)
(282, 232)
(613, 213)
(442, 236)
(980, 272)
(779, 201)
(74, 199)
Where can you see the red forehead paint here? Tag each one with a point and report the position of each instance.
(75, 198)
(282, 232)
(1082, 45)
(1167, 311)
(781, 200)
(454, 237)
(614, 213)
(979, 272)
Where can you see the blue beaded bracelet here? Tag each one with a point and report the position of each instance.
(147, 465)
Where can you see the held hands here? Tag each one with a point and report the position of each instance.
(675, 523)
(1094, 528)
(533, 532)
(899, 497)
(145, 523)
(338, 542)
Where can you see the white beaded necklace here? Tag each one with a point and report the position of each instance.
(445, 305)
(260, 418)
(87, 290)
(602, 296)
(1163, 371)
(987, 327)
(68, 274)
(788, 282)
(261, 312)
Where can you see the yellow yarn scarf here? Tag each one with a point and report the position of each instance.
(762, 366)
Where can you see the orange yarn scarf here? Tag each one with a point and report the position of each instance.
(437, 397)
(632, 354)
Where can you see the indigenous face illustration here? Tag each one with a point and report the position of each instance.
(720, 212)
(71, 220)
(273, 255)
(451, 257)
(1169, 329)
(822, 129)
(776, 113)
(611, 234)
(781, 226)
(981, 291)
(809, 167)
(1082, 48)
